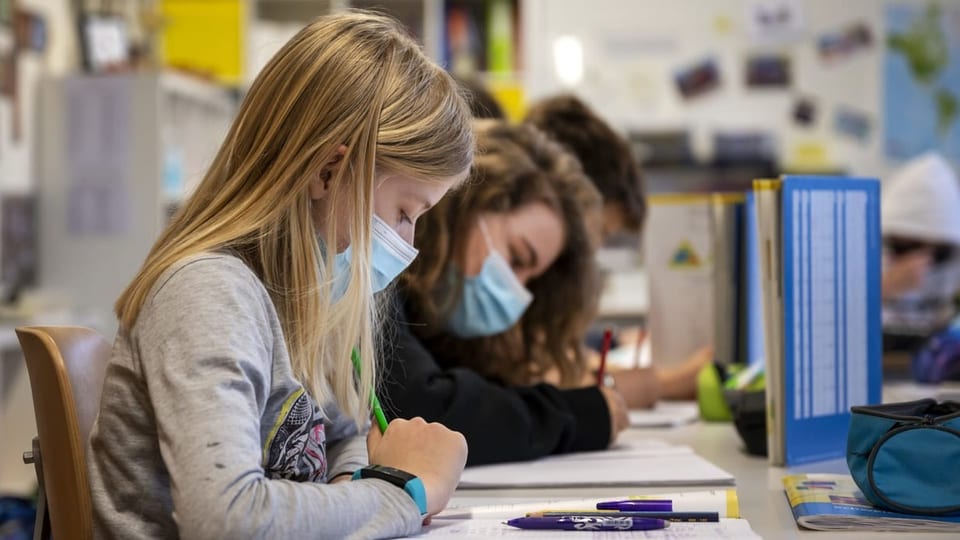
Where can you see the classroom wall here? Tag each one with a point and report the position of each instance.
(632, 48)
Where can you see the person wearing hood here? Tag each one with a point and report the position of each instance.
(920, 216)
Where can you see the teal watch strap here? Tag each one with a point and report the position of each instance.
(418, 493)
(402, 479)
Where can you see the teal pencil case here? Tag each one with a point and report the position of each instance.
(906, 456)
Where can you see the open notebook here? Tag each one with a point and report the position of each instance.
(643, 463)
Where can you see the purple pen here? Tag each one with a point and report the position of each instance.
(589, 523)
(638, 505)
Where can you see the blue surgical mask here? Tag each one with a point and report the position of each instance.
(492, 301)
(391, 255)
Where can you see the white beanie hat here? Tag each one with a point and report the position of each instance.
(922, 201)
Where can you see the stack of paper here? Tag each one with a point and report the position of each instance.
(647, 463)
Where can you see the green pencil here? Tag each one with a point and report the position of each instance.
(374, 402)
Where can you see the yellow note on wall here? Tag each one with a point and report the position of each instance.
(205, 36)
(509, 95)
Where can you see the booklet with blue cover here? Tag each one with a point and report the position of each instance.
(820, 273)
(753, 290)
(832, 502)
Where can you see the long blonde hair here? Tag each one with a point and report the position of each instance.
(353, 79)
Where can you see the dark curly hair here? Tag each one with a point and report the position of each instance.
(516, 165)
(604, 155)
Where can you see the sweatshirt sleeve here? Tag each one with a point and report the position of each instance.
(206, 350)
(501, 423)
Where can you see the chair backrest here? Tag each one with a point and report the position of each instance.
(66, 365)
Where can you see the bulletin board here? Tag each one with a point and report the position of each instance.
(809, 71)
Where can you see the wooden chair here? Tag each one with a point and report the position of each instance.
(66, 365)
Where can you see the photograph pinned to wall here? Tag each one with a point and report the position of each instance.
(852, 123)
(698, 79)
(805, 111)
(775, 20)
(836, 46)
(768, 70)
(106, 47)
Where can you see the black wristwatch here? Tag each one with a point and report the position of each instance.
(402, 479)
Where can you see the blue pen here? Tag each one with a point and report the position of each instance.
(589, 523)
(638, 505)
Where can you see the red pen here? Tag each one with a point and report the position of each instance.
(607, 337)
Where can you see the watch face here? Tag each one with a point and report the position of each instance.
(390, 471)
(402, 479)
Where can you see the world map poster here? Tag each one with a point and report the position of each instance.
(922, 79)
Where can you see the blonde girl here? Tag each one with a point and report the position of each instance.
(230, 407)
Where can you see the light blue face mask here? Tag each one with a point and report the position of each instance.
(390, 255)
(492, 301)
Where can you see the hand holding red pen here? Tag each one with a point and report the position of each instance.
(619, 417)
(602, 370)
(619, 414)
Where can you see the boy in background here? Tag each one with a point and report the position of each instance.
(604, 155)
(920, 216)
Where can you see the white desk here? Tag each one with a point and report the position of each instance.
(762, 501)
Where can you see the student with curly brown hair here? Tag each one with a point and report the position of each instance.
(607, 160)
(502, 292)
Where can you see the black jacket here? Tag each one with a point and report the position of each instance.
(500, 423)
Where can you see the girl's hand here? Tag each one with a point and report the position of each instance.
(640, 387)
(680, 381)
(430, 451)
(619, 418)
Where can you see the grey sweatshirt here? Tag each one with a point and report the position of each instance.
(203, 431)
